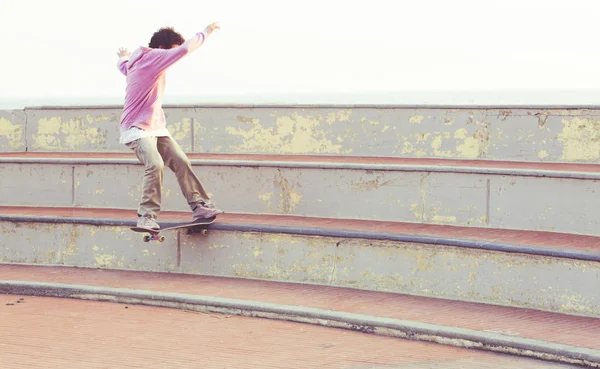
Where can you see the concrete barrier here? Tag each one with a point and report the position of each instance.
(504, 198)
(13, 124)
(519, 134)
(535, 281)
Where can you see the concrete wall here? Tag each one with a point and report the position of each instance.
(13, 124)
(537, 134)
(468, 199)
(547, 283)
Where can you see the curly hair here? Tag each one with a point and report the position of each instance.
(165, 38)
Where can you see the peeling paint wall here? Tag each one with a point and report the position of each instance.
(72, 130)
(89, 130)
(12, 131)
(565, 135)
(361, 132)
(84, 246)
(465, 199)
(418, 269)
(546, 135)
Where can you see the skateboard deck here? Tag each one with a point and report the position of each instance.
(193, 227)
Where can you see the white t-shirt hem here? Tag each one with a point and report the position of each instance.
(135, 133)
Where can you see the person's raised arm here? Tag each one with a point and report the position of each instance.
(123, 58)
(168, 57)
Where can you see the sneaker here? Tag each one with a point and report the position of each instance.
(148, 223)
(209, 204)
(205, 210)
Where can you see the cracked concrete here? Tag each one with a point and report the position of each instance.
(516, 134)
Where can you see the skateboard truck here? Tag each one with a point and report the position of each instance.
(155, 237)
(198, 226)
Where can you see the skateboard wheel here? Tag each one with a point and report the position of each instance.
(204, 232)
(161, 239)
(146, 238)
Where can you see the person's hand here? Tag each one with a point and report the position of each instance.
(211, 27)
(123, 52)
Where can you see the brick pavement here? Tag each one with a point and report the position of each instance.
(59, 333)
(525, 323)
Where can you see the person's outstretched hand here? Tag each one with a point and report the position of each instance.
(123, 52)
(211, 27)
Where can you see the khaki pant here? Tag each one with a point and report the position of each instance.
(156, 153)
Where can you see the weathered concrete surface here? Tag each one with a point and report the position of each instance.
(482, 200)
(429, 270)
(498, 134)
(12, 130)
(72, 129)
(545, 204)
(546, 283)
(36, 184)
(87, 130)
(86, 246)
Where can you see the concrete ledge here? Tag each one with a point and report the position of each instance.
(398, 258)
(315, 231)
(497, 196)
(572, 174)
(524, 133)
(227, 105)
(451, 336)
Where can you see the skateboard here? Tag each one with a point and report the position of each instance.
(198, 226)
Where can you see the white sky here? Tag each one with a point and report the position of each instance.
(68, 47)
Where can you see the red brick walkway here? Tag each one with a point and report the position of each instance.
(55, 333)
(565, 329)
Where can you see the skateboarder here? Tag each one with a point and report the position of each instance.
(143, 125)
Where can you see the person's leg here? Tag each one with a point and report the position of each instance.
(146, 151)
(191, 187)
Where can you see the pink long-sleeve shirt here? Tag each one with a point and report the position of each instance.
(145, 71)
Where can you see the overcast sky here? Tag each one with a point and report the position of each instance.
(68, 47)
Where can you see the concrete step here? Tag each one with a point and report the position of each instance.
(508, 133)
(525, 332)
(527, 196)
(540, 270)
